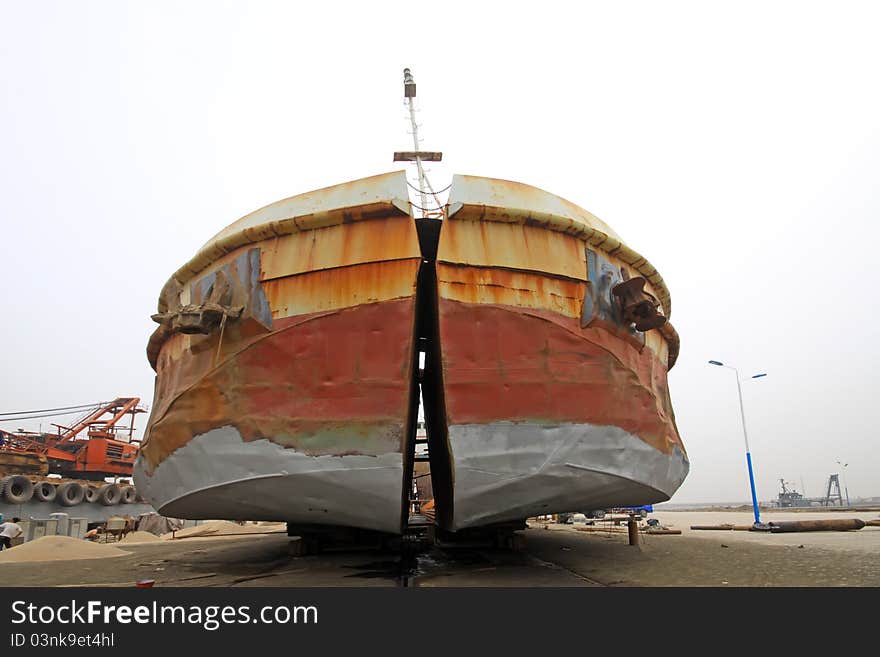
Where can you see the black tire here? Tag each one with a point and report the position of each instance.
(70, 493)
(129, 495)
(110, 494)
(18, 489)
(92, 493)
(45, 492)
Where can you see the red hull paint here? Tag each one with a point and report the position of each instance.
(502, 363)
(329, 383)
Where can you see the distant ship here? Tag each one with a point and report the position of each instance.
(294, 349)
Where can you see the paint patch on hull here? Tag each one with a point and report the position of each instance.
(219, 475)
(501, 363)
(509, 471)
(332, 383)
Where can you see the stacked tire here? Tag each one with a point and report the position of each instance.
(70, 493)
(18, 489)
(110, 494)
(45, 491)
(129, 495)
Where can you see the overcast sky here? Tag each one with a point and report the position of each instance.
(735, 145)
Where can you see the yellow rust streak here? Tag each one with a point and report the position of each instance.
(510, 288)
(523, 290)
(343, 287)
(376, 197)
(519, 261)
(203, 408)
(355, 200)
(391, 238)
(513, 246)
(507, 200)
(656, 343)
(220, 246)
(521, 247)
(568, 226)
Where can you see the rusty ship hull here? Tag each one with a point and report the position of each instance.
(297, 408)
(553, 400)
(288, 376)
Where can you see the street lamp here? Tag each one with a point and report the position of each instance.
(845, 487)
(746, 436)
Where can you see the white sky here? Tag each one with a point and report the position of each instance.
(734, 144)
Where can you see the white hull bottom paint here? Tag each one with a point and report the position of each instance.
(218, 475)
(510, 471)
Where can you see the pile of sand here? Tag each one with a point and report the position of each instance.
(140, 537)
(224, 528)
(210, 528)
(261, 528)
(59, 548)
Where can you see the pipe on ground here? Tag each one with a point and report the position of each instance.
(835, 525)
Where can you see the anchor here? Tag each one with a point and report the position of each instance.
(638, 306)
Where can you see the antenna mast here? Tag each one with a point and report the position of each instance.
(416, 155)
(409, 92)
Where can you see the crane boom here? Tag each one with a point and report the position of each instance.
(119, 407)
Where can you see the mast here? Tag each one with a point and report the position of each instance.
(416, 155)
(409, 92)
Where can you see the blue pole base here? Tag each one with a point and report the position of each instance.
(754, 494)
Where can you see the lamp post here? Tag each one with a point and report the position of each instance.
(845, 486)
(746, 436)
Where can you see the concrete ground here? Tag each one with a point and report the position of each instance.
(559, 555)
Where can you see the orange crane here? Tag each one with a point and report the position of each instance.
(101, 453)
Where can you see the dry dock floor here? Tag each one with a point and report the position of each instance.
(559, 555)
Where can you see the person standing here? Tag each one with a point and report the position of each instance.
(8, 531)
